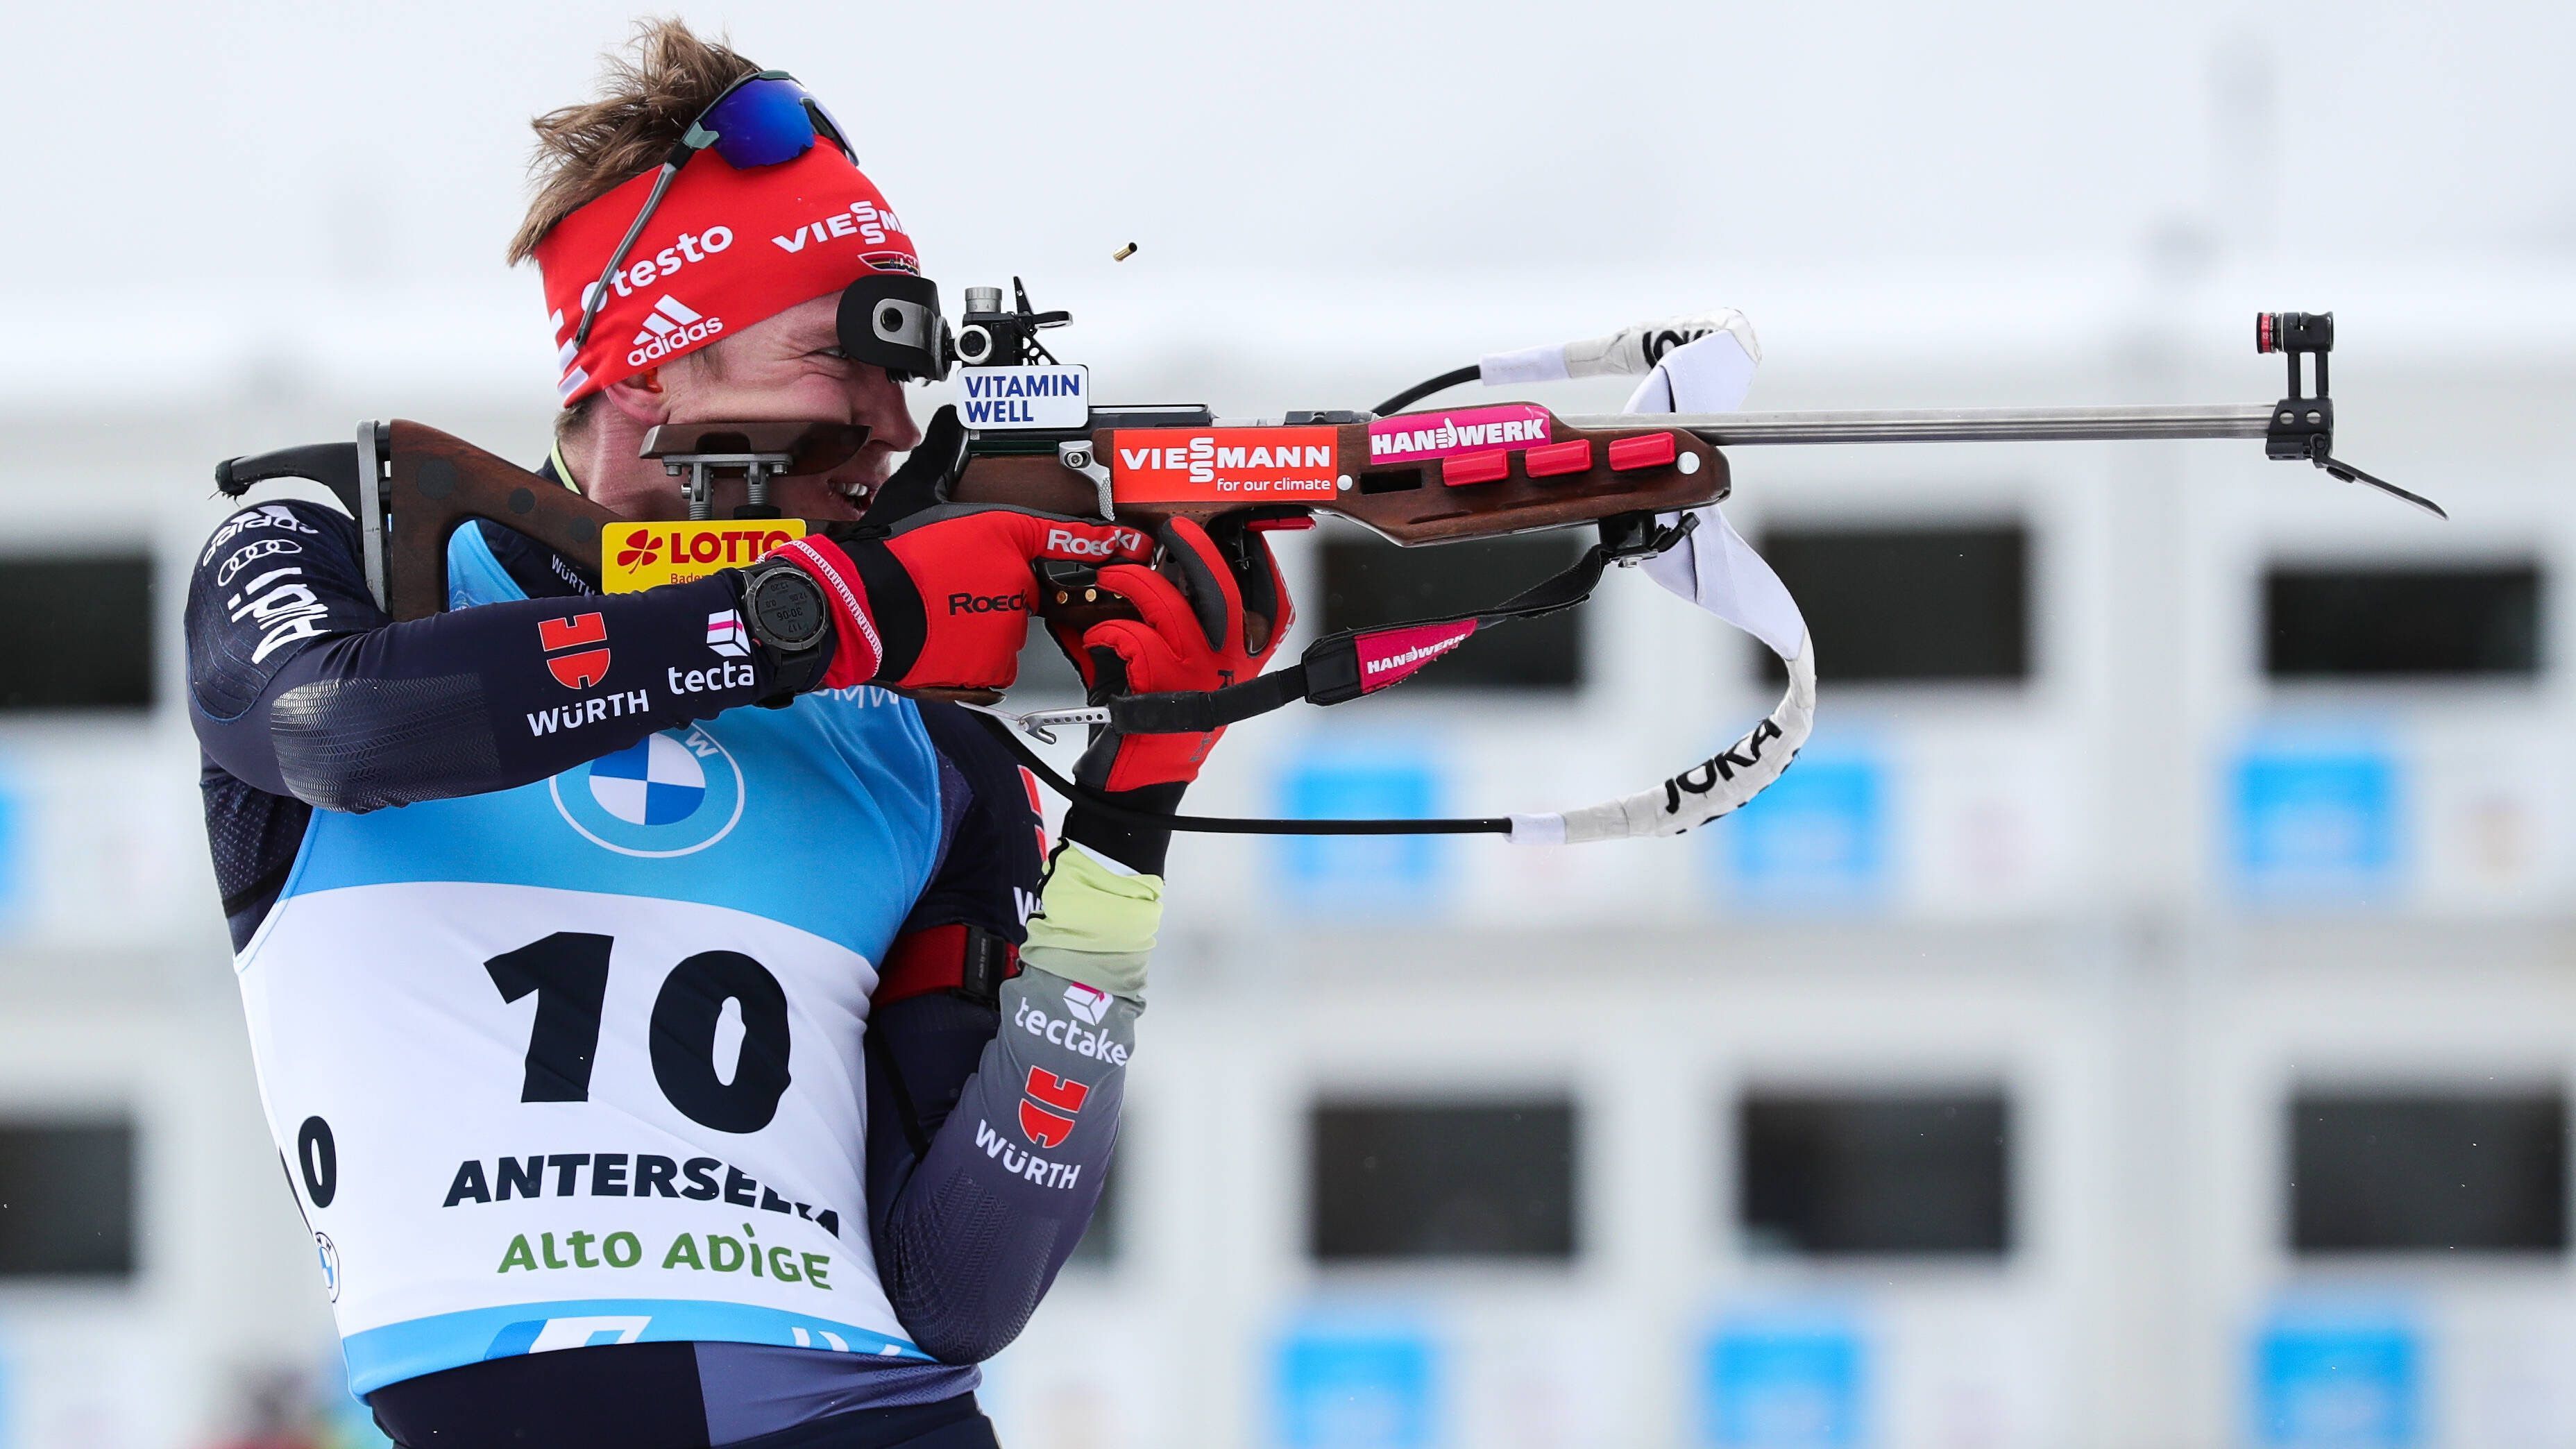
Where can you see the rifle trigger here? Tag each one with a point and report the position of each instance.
(1039, 724)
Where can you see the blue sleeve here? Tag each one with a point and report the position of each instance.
(300, 686)
(986, 1144)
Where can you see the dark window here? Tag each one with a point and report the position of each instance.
(66, 1199)
(2346, 621)
(1875, 1173)
(105, 662)
(1368, 581)
(2405, 1172)
(1894, 605)
(1396, 1180)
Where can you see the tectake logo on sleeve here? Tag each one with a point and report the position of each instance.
(1047, 1112)
(1087, 1003)
(574, 663)
(725, 635)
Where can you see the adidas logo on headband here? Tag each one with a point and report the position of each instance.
(671, 325)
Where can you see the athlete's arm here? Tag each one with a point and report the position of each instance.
(993, 1103)
(299, 685)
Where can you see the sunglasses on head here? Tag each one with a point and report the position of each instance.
(763, 119)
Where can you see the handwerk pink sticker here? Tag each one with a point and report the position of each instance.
(1398, 653)
(1413, 437)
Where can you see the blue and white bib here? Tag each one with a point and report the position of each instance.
(579, 1062)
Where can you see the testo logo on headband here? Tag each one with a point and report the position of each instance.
(699, 272)
(683, 250)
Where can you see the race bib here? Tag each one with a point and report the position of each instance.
(529, 1118)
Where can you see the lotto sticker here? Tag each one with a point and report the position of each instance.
(1416, 437)
(1223, 465)
(638, 556)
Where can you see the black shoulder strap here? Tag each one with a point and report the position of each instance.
(1334, 669)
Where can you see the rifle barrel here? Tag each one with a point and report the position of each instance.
(1950, 425)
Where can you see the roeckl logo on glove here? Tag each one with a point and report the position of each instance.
(988, 603)
(1062, 542)
(582, 669)
(1047, 1113)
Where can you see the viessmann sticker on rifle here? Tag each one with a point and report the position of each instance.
(637, 556)
(1415, 437)
(1226, 465)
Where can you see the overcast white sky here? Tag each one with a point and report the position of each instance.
(267, 140)
(230, 155)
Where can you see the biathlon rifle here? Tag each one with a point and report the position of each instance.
(1030, 437)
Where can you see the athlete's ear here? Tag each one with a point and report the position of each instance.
(640, 397)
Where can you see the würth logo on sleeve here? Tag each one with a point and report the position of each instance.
(1047, 1113)
(569, 646)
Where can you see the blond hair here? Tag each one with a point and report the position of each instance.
(648, 96)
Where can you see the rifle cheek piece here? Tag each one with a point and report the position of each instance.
(891, 320)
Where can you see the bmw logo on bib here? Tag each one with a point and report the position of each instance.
(674, 793)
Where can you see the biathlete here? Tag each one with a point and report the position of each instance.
(655, 1068)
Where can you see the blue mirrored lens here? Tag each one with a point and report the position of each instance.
(762, 123)
(833, 128)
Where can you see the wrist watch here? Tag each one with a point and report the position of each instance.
(788, 617)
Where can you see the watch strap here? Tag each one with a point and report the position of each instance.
(795, 667)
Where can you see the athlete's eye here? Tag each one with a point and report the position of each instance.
(834, 353)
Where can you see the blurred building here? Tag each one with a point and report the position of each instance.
(2145, 1016)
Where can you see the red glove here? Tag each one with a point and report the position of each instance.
(943, 600)
(1212, 621)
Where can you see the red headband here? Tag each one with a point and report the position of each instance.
(724, 250)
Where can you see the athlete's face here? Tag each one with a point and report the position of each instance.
(790, 367)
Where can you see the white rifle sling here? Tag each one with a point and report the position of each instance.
(1717, 570)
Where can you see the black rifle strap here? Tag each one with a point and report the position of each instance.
(1110, 806)
(1330, 671)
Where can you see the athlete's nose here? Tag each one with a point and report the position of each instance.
(878, 401)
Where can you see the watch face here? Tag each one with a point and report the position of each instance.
(787, 608)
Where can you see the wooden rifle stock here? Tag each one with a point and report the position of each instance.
(433, 483)
(411, 487)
